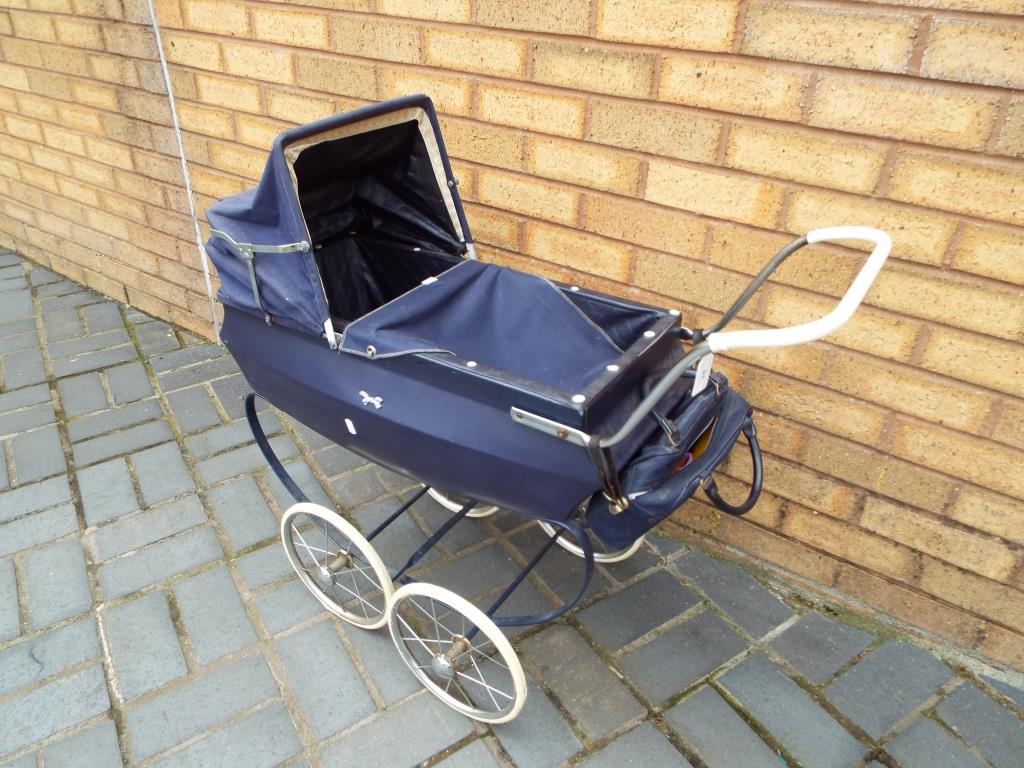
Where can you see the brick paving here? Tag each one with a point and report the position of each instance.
(148, 615)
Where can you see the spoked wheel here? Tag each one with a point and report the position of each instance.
(457, 652)
(602, 554)
(337, 564)
(454, 503)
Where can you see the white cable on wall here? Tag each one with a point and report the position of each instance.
(184, 168)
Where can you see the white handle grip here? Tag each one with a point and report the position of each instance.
(834, 320)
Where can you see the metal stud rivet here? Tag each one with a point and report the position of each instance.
(649, 334)
(574, 288)
(471, 364)
(371, 351)
(578, 398)
(674, 312)
(613, 368)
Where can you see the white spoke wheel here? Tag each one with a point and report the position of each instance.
(337, 564)
(454, 503)
(457, 653)
(601, 553)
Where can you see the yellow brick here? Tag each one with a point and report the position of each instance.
(984, 52)
(129, 40)
(17, 51)
(990, 362)
(192, 51)
(80, 118)
(732, 85)
(377, 39)
(244, 162)
(665, 131)
(690, 281)
(221, 17)
(24, 129)
(1003, 646)
(1011, 138)
(482, 143)
(450, 95)
(553, 202)
(949, 116)
(33, 26)
(713, 193)
(1011, 7)
(785, 153)
(475, 52)
(576, 250)
(58, 138)
(1009, 428)
(796, 483)
(493, 227)
(79, 33)
(95, 95)
(593, 68)
(985, 597)
(637, 222)
(206, 121)
(533, 110)
(232, 94)
(992, 252)
(259, 62)
(916, 235)
(438, 10)
(344, 77)
(561, 17)
(980, 189)
(839, 38)
(54, 161)
(301, 28)
(584, 164)
(258, 132)
(13, 77)
(296, 108)
(705, 25)
(989, 512)
(109, 152)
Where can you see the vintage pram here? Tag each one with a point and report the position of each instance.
(354, 303)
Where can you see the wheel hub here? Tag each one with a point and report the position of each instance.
(442, 667)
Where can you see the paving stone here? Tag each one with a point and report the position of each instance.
(473, 755)
(64, 324)
(91, 343)
(737, 593)
(886, 685)
(31, 498)
(198, 705)
(680, 657)
(5, 480)
(10, 621)
(38, 454)
(26, 418)
(193, 409)
(162, 473)
(591, 693)
(818, 647)
(103, 317)
(180, 358)
(803, 728)
(26, 396)
(23, 368)
(476, 573)
(37, 528)
(213, 615)
(56, 583)
(242, 460)
(927, 745)
(129, 383)
(362, 485)
(52, 708)
(306, 480)
(77, 299)
(195, 374)
(467, 533)
(717, 734)
(125, 441)
(16, 304)
(985, 725)
(107, 491)
(377, 654)
(155, 337)
(643, 747)
(426, 726)
(138, 530)
(158, 562)
(287, 606)
(91, 361)
(94, 747)
(313, 440)
(230, 435)
(115, 418)
(1016, 695)
(27, 340)
(324, 679)
(560, 571)
(231, 391)
(37, 658)
(82, 394)
(539, 736)
(42, 276)
(260, 740)
(636, 610)
(243, 512)
(48, 284)
(14, 327)
(264, 566)
(143, 644)
(335, 460)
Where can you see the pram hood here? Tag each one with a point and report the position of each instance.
(412, 184)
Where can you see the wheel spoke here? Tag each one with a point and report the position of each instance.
(490, 688)
(416, 636)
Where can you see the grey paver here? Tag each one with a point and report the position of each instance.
(818, 647)
(193, 409)
(985, 725)
(94, 747)
(426, 727)
(26, 418)
(717, 734)
(158, 562)
(36, 658)
(363, 485)
(476, 573)
(304, 478)
(5, 480)
(803, 728)
(90, 361)
(287, 606)
(230, 435)
(76, 299)
(324, 678)
(243, 512)
(90, 343)
(378, 656)
(334, 460)
(31, 498)
(591, 693)
(886, 685)
(143, 644)
(128, 383)
(103, 317)
(539, 736)
(52, 708)
(241, 460)
(264, 565)
(155, 337)
(162, 473)
(16, 304)
(125, 441)
(643, 747)
(62, 324)
(473, 755)
(38, 454)
(737, 593)
(231, 391)
(681, 656)
(138, 530)
(559, 570)
(10, 621)
(213, 615)
(56, 583)
(26, 396)
(23, 368)
(188, 710)
(27, 340)
(194, 374)
(107, 491)
(1016, 695)
(82, 394)
(180, 358)
(433, 515)
(617, 620)
(114, 418)
(926, 745)
(37, 528)
(259, 740)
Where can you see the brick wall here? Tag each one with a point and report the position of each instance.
(652, 148)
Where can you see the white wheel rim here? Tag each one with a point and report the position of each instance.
(452, 505)
(358, 590)
(484, 682)
(599, 557)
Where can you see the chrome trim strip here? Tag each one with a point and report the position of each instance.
(553, 428)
